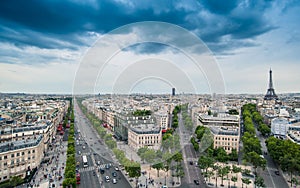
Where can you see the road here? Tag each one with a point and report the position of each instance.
(192, 172)
(271, 179)
(92, 146)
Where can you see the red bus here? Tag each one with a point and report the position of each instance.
(59, 128)
(77, 178)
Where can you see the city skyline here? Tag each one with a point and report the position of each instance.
(42, 50)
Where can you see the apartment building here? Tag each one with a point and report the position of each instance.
(144, 135)
(19, 157)
(27, 130)
(162, 119)
(225, 130)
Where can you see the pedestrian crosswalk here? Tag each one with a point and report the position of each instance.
(86, 169)
(91, 168)
(103, 165)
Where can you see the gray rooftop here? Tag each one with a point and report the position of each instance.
(20, 144)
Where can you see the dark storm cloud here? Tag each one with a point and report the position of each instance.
(220, 7)
(147, 48)
(61, 24)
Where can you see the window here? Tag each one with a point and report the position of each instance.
(23, 153)
(12, 162)
(12, 155)
(18, 154)
(28, 152)
(29, 158)
(33, 151)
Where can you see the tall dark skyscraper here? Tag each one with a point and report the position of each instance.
(173, 91)
(271, 91)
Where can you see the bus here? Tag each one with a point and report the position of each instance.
(77, 178)
(84, 160)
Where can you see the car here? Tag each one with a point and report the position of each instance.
(107, 178)
(94, 173)
(83, 147)
(114, 174)
(116, 168)
(277, 173)
(191, 162)
(196, 182)
(79, 152)
(101, 170)
(114, 181)
(210, 185)
(107, 166)
(98, 163)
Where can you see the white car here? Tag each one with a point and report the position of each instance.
(116, 168)
(114, 181)
(107, 178)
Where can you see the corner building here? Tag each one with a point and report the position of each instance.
(225, 130)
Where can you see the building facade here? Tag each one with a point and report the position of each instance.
(144, 135)
(19, 157)
(225, 130)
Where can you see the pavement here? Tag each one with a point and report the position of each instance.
(213, 181)
(150, 176)
(51, 174)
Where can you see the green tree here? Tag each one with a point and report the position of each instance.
(233, 156)
(236, 169)
(247, 181)
(158, 166)
(221, 155)
(256, 160)
(259, 181)
(15, 180)
(111, 144)
(291, 164)
(205, 162)
(264, 129)
(234, 179)
(223, 171)
(149, 155)
(133, 169)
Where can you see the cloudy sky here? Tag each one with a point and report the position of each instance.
(43, 43)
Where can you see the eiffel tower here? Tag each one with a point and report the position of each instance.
(271, 92)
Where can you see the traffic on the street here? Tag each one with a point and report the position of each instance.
(95, 166)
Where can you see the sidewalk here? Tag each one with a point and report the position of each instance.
(154, 179)
(52, 171)
(129, 152)
(150, 178)
(227, 182)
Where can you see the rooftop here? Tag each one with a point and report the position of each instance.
(224, 130)
(20, 144)
(145, 129)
